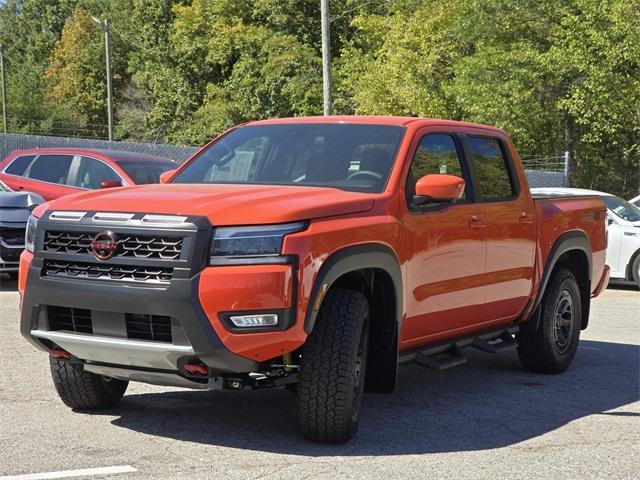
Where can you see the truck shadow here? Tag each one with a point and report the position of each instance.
(487, 403)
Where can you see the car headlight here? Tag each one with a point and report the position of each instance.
(30, 234)
(258, 244)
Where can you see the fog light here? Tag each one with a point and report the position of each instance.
(258, 320)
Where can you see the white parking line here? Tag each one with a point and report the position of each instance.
(72, 473)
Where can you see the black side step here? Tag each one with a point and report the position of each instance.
(502, 344)
(448, 354)
(451, 358)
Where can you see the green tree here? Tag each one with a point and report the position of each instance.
(224, 65)
(555, 74)
(28, 32)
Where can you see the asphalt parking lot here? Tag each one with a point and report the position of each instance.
(485, 419)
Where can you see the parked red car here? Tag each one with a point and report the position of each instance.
(54, 172)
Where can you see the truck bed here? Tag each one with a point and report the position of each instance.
(561, 214)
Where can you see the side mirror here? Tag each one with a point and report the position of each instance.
(110, 184)
(610, 221)
(438, 188)
(166, 176)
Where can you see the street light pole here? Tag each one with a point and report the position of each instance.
(326, 56)
(107, 53)
(4, 91)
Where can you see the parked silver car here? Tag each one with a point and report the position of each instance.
(15, 208)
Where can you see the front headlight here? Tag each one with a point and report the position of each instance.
(30, 234)
(259, 244)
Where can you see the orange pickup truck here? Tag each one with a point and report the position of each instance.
(314, 254)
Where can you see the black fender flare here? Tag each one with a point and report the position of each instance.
(568, 241)
(349, 259)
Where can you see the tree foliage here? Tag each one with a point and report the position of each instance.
(556, 74)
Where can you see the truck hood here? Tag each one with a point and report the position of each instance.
(222, 204)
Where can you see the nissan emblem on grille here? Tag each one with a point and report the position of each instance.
(104, 245)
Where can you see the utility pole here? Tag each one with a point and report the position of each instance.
(107, 53)
(4, 90)
(326, 56)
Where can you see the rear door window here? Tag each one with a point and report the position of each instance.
(495, 180)
(50, 168)
(92, 173)
(19, 165)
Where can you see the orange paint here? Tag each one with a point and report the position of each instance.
(465, 266)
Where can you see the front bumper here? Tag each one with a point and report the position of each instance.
(192, 333)
(194, 299)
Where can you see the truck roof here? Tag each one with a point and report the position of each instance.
(374, 120)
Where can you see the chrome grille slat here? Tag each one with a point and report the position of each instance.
(129, 273)
(134, 246)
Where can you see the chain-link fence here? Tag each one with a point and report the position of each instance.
(550, 171)
(12, 141)
(541, 171)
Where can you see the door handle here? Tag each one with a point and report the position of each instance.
(525, 218)
(475, 222)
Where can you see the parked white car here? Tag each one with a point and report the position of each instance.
(635, 201)
(623, 251)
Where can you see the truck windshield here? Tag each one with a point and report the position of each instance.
(625, 210)
(353, 157)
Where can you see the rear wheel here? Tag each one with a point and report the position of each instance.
(550, 348)
(333, 368)
(84, 390)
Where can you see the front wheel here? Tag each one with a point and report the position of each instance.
(550, 348)
(82, 390)
(333, 368)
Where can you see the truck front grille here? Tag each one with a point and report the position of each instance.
(12, 237)
(149, 327)
(98, 271)
(72, 319)
(133, 246)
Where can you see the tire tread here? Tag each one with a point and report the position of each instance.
(535, 350)
(326, 380)
(82, 390)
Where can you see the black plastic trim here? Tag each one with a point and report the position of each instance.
(349, 259)
(573, 240)
(179, 300)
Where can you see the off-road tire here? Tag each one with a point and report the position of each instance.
(635, 271)
(541, 350)
(333, 368)
(82, 390)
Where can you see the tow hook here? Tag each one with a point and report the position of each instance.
(196, 369)
(60, 353)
